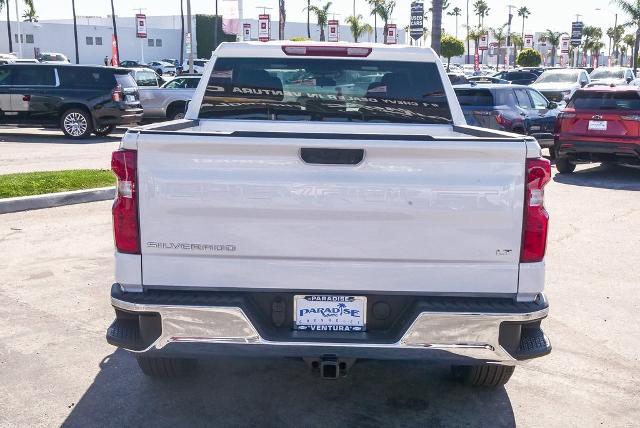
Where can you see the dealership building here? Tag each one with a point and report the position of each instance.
(164, 37)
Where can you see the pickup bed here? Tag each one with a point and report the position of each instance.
(329, 202)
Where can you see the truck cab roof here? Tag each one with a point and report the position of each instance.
(283, 49)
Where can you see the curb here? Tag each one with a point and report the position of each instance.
(49, 200)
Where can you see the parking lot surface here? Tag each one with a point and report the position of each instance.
(29, 149)
(57, 369)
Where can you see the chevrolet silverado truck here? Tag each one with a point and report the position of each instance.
(329, 202)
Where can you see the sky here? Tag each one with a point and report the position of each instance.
(545, 14)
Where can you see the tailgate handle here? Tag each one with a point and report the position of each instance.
(326, 156)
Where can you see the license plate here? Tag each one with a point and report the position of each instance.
(130, 98)
(330, 313)
(597, 125)
(534, 128)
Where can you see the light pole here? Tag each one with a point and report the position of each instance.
(508, 56)
(190, 37)
(215, 28)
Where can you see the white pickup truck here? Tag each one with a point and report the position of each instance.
(328, 202)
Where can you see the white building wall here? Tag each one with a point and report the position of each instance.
(58, 37)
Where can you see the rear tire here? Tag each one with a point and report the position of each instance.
(76, 124)
(103, 131)
(166, 367)
(565, 166)
(176, 113)
(484, 375)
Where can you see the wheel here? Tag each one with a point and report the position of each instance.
(176, 113)
(166, 367)
(76, 124)
(103, 131)
(565, 166)
(484, 375)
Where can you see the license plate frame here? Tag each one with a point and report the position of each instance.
(597, 125)
(331, 317)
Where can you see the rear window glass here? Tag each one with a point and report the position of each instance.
(325, 90)
(146, 78)
(474, 97)
(600, 100)
(126, 80)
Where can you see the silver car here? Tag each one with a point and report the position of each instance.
(169, 101)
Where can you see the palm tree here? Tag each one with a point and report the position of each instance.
(517, 41)
(590, 34)
(632, 8)
(596, 47)
(283, 19)
(384, 10)
(474, 33)
(481, 9)
(630, 41)
(445, 6)
(375, 8)
(554, 37)
(615, 35)
(30, 15)
(524, 12)
(436, 25)
(455, 12)
(309, 19)
(500, 35)
(357, 27)
(322, 15)
(468, 41)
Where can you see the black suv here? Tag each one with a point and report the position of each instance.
(79, 99)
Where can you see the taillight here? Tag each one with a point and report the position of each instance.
(536, 218)
(126, 232)
(116, 94)
(323, 50)
(501, 120)
(562, 116)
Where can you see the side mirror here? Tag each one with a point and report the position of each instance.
(629, 79)
(583, 83)
(552, 105)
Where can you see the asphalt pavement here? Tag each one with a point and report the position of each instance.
(56, 368)
(32, 149)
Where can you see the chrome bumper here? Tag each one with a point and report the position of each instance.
(461, 334)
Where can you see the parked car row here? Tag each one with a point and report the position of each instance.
(80, 100)
(167, 66)
(85, 100)
(580, 117)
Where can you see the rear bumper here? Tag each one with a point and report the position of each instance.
(588, 151)
(464, 330)
(119, 116)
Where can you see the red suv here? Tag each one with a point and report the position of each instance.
(599, 124)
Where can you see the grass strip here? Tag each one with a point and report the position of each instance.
(39, 183)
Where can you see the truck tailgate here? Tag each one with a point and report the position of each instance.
(243, 210)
